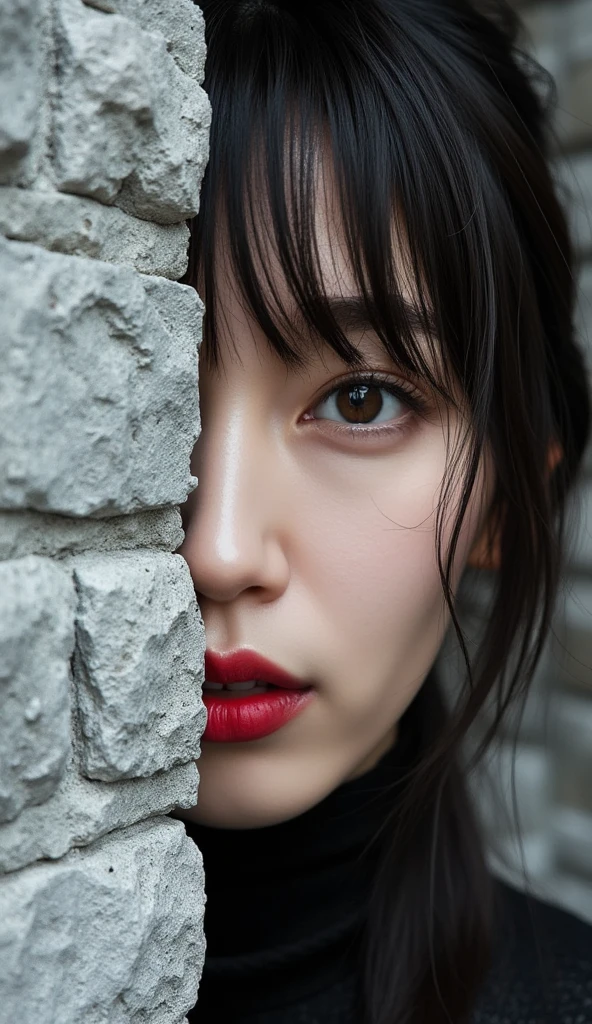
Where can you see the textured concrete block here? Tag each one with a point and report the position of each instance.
(23, 76)
(138, 665)
(40, 533)
(81, 811)
(36, 643)
(113, 934)
(98, 395)
(180, 22)
(83, 227)
(130, 127)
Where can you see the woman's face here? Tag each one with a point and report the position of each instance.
(311, 540)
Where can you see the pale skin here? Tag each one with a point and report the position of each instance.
(315, 546)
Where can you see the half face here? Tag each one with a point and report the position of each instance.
(311, 541)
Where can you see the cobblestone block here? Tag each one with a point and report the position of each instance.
(81, 811)
(83, 227)
(37, 533)
(180, 22)
(102, 417)
(144, 962)
(36, 643)
(138, 664)
(23, 73)
(130, 127)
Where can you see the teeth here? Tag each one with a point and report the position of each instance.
(252, 685)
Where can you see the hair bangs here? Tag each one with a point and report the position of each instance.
(307, 122)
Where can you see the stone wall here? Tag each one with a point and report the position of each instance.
(553, 765)
(103, 143)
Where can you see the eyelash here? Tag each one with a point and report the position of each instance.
(405, 392)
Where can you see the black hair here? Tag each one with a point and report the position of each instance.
(435, 123)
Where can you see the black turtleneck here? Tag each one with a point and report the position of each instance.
(285, 905)
(285, 902)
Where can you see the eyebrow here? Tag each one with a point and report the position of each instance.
(350, 311)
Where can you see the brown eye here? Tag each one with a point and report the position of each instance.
(359, 402)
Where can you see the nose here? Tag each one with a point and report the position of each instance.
(234, 527)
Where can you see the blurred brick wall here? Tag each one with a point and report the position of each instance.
(553, 765)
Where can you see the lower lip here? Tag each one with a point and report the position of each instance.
(237, 719)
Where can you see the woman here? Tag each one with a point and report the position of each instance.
(390, 393)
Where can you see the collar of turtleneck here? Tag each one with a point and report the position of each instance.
(286, 903)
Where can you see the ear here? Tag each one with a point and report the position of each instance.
(486, 550)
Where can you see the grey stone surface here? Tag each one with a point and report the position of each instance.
(36, 643)
(181, 23)
(138, 665)
(39, 533)
(102, 417)
(24, 48)
(83, 227)
(82, 810)
(130, 127)
(110, 935)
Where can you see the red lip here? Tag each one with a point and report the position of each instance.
(239, 666)
(250, 717)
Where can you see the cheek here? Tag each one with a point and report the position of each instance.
(377, 582)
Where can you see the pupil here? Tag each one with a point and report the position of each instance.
(360, 403)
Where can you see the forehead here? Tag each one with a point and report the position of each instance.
(315, 231)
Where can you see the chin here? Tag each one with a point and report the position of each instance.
(233, 794)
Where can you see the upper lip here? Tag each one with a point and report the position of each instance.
(240, 666)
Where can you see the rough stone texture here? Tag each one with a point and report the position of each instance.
(23, 56)
(138, 664)
(83, 227)
(38, 533)
(108, 935)
(101, 418)
(36, 643)
(180, 21)
(98, 417)
(81, 811)
(130, 127)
